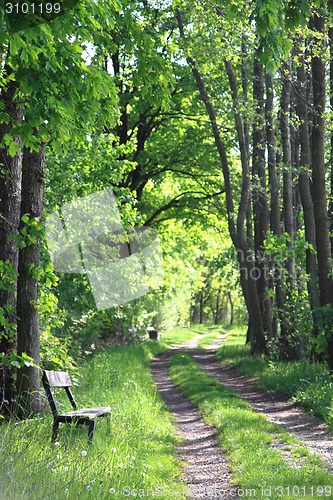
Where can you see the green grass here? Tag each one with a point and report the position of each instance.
(308, 384)
(132, 452)
(207, 334)
(178, 335)
(263, 457)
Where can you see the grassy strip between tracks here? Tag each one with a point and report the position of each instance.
(265, 460)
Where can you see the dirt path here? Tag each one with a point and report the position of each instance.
(207, 473)
(308, 429)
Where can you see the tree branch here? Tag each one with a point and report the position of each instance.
(176, 200)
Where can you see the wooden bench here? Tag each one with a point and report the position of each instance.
(86, 416)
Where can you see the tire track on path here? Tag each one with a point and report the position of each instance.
(313, 433)
(206, 474)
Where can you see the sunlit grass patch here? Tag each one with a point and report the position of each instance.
(247, 437)
(179, 335)
(205, 334)
(132, 451)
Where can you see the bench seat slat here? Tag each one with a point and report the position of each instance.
(87, 412)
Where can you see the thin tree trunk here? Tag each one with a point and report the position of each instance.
(238, 235)
(275, 215)
(248, 275)
(10, 196)
(319, 182)
(304, 186)
(288, 348)
(318, 172)
(330, 34)
(231, 309)
(28, 338)
(275, 218)
(201, 306)
(319, 176)
(217, 306)
(260, 206)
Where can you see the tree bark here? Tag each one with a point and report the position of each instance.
(248, 270)
(330, 34)
(237, 232)
(28, 338)
(259, 195)
(288, 347)
(304, 186)
(10, 196)
(201, 307)
(231, 309)
(275, 215)
(318, 172)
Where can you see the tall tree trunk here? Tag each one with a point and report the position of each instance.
(249, 274)
(275, 215)
(319, 175)
(288, 348)
(10, 195)
(231, 309)
(237, 232)
(201, 307)
(304, 186)
(259, 192)
(28, 339)
(330, 34)
(246, 132)
(318, 172)
(217, 311)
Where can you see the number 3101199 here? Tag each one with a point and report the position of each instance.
(33, 8)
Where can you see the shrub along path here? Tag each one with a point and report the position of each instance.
(207, 473)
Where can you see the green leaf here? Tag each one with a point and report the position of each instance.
(7, 139)
(13, 148)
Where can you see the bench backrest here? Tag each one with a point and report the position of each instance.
(52, 379)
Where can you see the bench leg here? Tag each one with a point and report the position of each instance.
(91, 427)
(55, 430)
